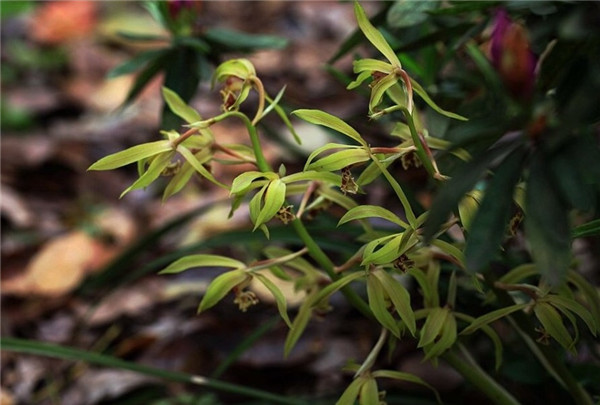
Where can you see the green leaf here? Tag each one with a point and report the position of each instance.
(374, 36)
(179, 107)
(337, 285)
(453, 190)
(433, 325)
(589, 291)
(243, 181)
(351, 392)
(491, 334)
(450, 250)
(572, 183)
(158, 164)
(519, 273)
(401, 376)
(446, 340)
(298, 326)
(143, 78)
(131, 155)
(188, 262)
(324, 148)
(179, 180)
(376, 294)
(387, 253)
(339, 160)
(488, 228)
(278, 295)
(406, 13)
(319, 117)
(369, 394)
(68, 353)
(547, 225)
(372, 65)
(311, 175)
(491, 317)
(273, 104)
(417, 88)
(553, 324)
(565, 305)
(399, 297)
(283, 116)
(378, 90)
(274, 198)
(588, 229)
(361, 78)
(430, 296)
(468, 206)
(220, 286)
(196, 164)
(136, 63)
(243, 41)
(372, 211)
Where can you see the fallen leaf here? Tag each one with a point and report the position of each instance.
(61, 21)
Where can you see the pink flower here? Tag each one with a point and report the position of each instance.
(511, 55)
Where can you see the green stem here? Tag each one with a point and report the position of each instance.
(479, 378)
(67, 353)
(420, 148)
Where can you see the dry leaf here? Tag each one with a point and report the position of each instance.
(60, 21)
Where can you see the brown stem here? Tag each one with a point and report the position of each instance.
(184, 136)
(233, 153)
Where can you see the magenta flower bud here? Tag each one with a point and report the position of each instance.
(511, 55)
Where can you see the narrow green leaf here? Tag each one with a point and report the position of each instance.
(488, 228)
(145, 76)
(324, 148)
(298, 326)
(446, 340)
(188, 262)
(467, 208)
(491, 334)
(312, 175)
(375, 36)
(69, 353)
(401, 376)
(372, 65)
(387, 253)
(453, 190)
(417, 88)
(406, 13)
(351, 392)
(255, 204)
(361, 78)
(243, 181)
(278, 295)
(547, 227)
(369, 395)
(220, 286)
(131, 155)
(553, 324)
(491, 317)
(156, 167)
(337, 285)
(378, 90)
(565, 304)
(429, 293)
(283, 116)
(519, 273)
(319, 117)
(372, 211)
(450, 250)
(179, 107)
(399, 297)
(273, 103)
(337, 198)
(196, 164)
(179, 180)
(136, 63)
(274, 198)
(433, 325)
(372, 171)
(243, 41)
(591, 228)
(376, 294)
(589, 291)
(339, 160)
